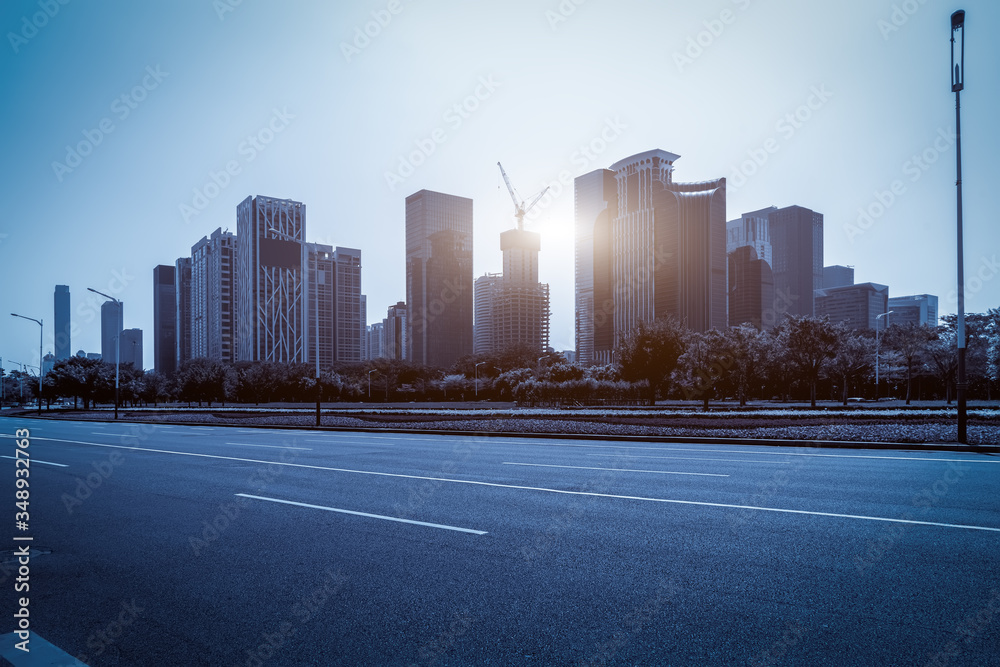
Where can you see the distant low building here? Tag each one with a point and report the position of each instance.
(857, 306)
(917, 309)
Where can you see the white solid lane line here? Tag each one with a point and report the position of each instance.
(688, 458)
(831, 456)
(534, 488)
(243, 444)
(366, 514)
(48, 463)
(653, 472)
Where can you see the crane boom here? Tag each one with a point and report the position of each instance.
(520, 210)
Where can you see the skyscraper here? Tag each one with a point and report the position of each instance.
(165, 319)
(348, 306)
(919, 309)
(213, 291)
(395, 329)
(483, 328)
(438, 278)
(131, 348)
(182, 291)
(797, 245)
(320, 303)
(596, 204)
(838, 276)
(112, 323)
(751, 229)
(751, 289)
(668, 245)
(63, 340)
(271, 289)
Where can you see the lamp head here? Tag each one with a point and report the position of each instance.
(958, 19)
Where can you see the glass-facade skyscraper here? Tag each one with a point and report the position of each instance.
(63, 340)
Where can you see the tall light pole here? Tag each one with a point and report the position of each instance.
(3, 383)
(477, 377)
(117, 342)
(877, 318)
(957, 85)
(40, 329)
(303, 245)
(374, 370)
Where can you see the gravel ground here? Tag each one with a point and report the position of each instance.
(889, 431)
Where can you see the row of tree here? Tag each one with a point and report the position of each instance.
(802, 357)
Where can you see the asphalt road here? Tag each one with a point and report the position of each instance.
(176, 545)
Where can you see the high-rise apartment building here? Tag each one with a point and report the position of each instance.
(165, 319)
(483, 330)
(320, 303)
(63, 340)
(112, 323)
(376, 340)
(797, 249)
(131, 348)
(919, 309)
(364, 328)
(857, 306)
(271, 290)
(182, 292)
(213, 291)
(348, 308)
(595, 200)
(751, 289)
(438, 278)
(395, 329)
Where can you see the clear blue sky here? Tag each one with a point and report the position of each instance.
(340, 110)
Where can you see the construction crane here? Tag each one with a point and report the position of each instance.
(520, 210)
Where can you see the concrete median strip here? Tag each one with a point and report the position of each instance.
(498, 485)
(365, 514)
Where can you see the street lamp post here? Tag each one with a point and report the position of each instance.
(877, 318)
(477, 377)
(117, 343)
(40, 329)
(302, 244)
(374, 370)
(957, 85)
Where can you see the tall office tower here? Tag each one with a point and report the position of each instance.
(857, 306)
(182, 291)
(376, 340)
(438, 278)
(919, 309)
(395, 331)
(364, 328)
(271, 285)
(668, 244)
(838, 276)
(595, 200)
(213, 262)
(751, 289)
(112, 323)
(165, 319)
(63, 340)
(131, 349)
(483, 329)
(797, 245)
(751, 229)
(320, 302)
(348, 313)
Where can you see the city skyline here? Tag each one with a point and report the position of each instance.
(863, 137)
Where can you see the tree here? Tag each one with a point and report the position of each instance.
(751, 351)
(910, 341)
(810, 343)
(650, 353)
(155, 387)
(854, 357)
(705, 362)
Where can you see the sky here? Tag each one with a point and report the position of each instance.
(132, 130)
